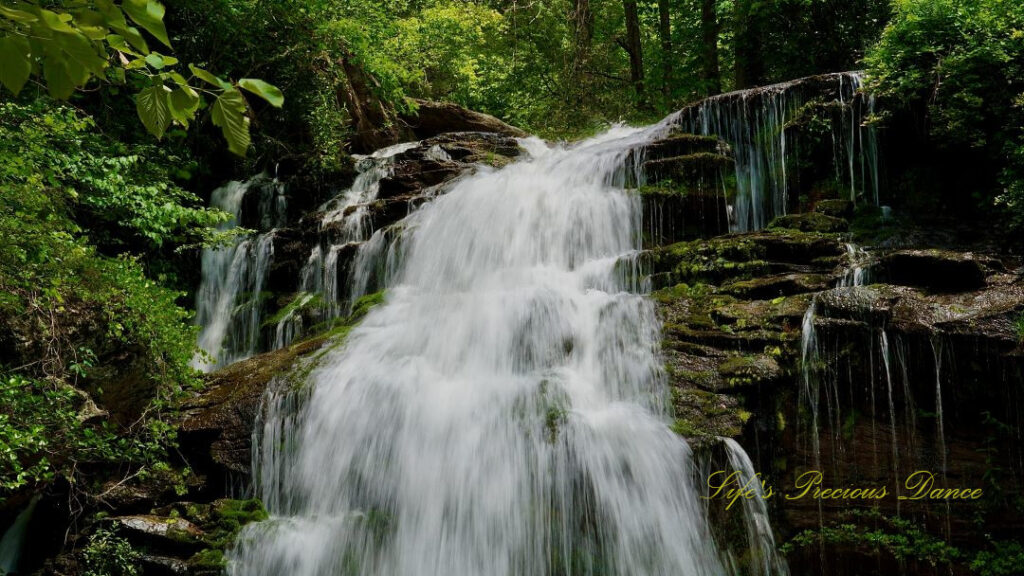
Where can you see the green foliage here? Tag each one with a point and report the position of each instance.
(1004, 558)
(80, 312)
(963, 61)
(871, 531)
(899, 537)
(100, 40)
(454, 52)
(124, 192)
(109, 555)
(42, 435)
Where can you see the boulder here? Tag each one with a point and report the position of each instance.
(835, 208)
(216, 426)
(937, 270)
(433, 118)
(810, 222)
(159, 531)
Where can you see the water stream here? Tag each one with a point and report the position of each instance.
(504, 411)
(758, 125)
(14, 539)
(229, 302)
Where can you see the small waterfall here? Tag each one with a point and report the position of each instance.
(808, 364)
(856, 273)
(229, 302)
(504, 411)
(14, 538)
(757, 125)
(344, 229)
(883, 342)
(765, 558)
(940, 431)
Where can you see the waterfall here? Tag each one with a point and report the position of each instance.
(765, 559)
(757, 125)
(14, 538)
(504, 411)
(229, 302)
(855, 273)
(887, 361)
(344, 225)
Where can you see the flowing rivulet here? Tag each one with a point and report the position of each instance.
(504, 411)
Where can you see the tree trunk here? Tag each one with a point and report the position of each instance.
(583, 31)
(665, 32)
(634, 49)
(748, 65)
(710, 72)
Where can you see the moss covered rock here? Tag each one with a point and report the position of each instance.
(811, 222)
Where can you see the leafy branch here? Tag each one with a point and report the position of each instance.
(101, 40)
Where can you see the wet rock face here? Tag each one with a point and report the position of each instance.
(919, 368)
(216, 426)
(810, 222)
(938, 270)
(684, 193)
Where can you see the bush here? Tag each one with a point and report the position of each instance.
(76, 303)
(109, 555)
(963, 62)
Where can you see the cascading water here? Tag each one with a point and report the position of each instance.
(503, 412)
(229, 302)
(765, 560)
(14, 538)
(343, 224)
(855, 274)
(757, 125)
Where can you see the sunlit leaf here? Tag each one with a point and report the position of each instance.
(228, 112)
(150, 15)
(154, 110)
(268, 92)
(208, 78)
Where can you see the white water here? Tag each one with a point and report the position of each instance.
(755, 123)
(503, 412)
(856, 273)
(14, 539)
(229, 306)
(764, 559)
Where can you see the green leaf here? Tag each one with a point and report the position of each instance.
(268, 92)
(15, 66)
(17, 15)
(82, 53)
(112, 14)
(228, 112)
(155, 60)
(54, 22)
(208, 78)
(150, 15)
(154, 110)
(117, 42)
(134, 37)
(59, 81)
(184, 103)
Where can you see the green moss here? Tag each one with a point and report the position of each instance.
(553, 420)
(300, 302)
(208, 558)
(810, 222)
(704, 416)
